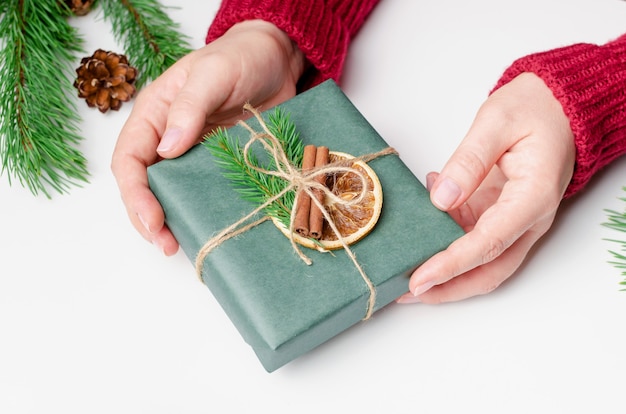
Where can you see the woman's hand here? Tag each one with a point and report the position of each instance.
(503, 185)
(253, 62)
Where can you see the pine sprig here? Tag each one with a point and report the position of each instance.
(252, 185)
(617, 221)
(150, 37)
(38, 122)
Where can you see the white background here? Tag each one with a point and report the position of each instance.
(93, 319)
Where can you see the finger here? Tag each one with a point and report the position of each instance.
(471, 162)
(478, 281)
(496, 231)
(431, 177)
(198, 98)
(133, 153)
(142, 207)
(463, 215)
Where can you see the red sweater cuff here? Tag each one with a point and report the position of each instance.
(590, 83)
(322, 29)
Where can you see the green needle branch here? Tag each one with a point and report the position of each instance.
(38, 122)
(150, 37)
(251, 184)
(617, 221)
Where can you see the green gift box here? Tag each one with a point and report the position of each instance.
(283, 307)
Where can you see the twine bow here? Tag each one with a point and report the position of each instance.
(298, 181)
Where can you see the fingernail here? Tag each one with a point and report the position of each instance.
(446, 194)
(145, 223)
(169, 140)
(430, 180)
(419, 289)
(158, 246)
(407, 300)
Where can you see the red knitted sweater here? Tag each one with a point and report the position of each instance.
(590, 83)
(589, 80)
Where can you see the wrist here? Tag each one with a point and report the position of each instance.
(295, 59)
(588, 82)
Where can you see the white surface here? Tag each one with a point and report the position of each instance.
(95, 320)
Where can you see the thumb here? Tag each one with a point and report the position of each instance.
(187, 117)
(468, 166)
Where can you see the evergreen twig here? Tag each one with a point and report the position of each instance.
(38, 122)
(249, 183)
(617, 221)
(38, 118)
(150, 37)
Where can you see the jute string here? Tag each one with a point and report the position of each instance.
(298, 181)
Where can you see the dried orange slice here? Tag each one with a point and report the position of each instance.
(353, 221)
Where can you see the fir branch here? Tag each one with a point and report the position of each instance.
(150, 37)
(617, 221)
(38, 122)
(252, 185)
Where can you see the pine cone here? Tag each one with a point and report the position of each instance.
(79, 7)
(105, 80)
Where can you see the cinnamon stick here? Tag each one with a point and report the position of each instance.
(301, 223)
(316, 218)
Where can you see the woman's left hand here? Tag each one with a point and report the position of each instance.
(503, 185)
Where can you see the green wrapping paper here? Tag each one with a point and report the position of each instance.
(282, 307)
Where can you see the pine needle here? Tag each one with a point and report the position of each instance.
(617, 221)
(151, 40)
(38, 122)
(252, 185)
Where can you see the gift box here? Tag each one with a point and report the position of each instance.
(283, 307)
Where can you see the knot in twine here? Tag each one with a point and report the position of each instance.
(299, 181)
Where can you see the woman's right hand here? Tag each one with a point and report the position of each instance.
(253, 62)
